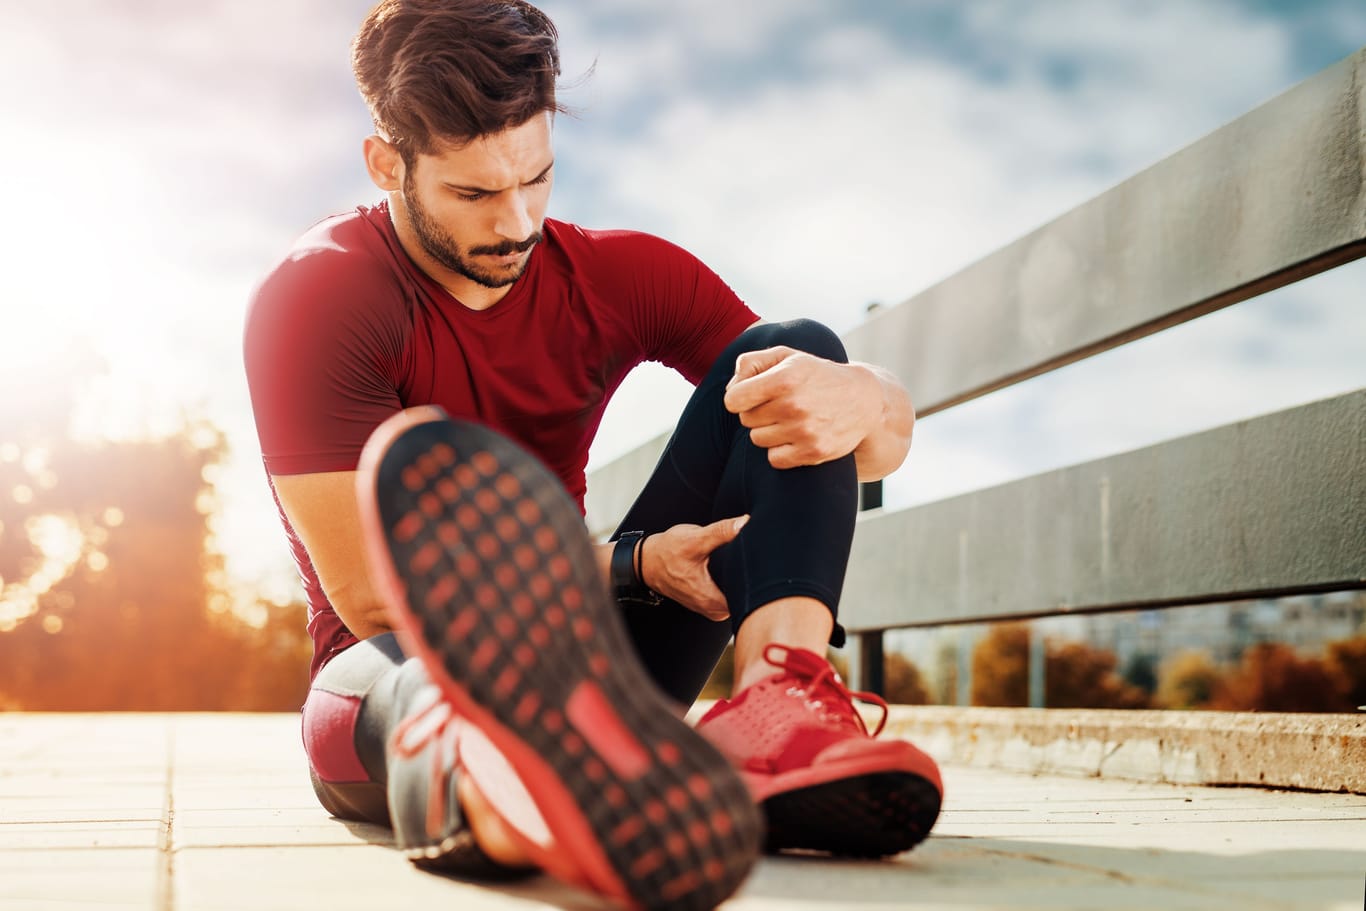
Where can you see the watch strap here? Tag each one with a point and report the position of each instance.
(627, 585)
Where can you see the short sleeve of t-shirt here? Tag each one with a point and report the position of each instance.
(681, 311)
(323, 348)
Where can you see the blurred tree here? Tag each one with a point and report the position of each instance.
(1346, 660)
(1272, 678)
(1187, 680)
(1141, 671)
(1000, 666)
(1080, 676)
(1076, 675)
(108, 580)
(905, 683)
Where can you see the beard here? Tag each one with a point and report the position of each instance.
(440, 246)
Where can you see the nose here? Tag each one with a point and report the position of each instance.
(514, 217)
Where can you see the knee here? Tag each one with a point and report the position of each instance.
(800, 334)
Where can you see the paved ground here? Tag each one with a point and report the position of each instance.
(214, 812)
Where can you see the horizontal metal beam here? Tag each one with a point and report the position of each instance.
(1275, 196)
(1271, 506)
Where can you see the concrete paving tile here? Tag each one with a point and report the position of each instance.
(251, 816)
(54, 835)
(222, 797)
(92, 783)
(346, 879)
(253, 827)
(1235, 840)
(1295, 877)
(949, 874)
(87, 879)
(102, 802)
(40, 812)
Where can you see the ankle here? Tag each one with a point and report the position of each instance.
(799, 623)
(493, 836)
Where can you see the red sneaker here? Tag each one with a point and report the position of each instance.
(491, 581)
(823, 781)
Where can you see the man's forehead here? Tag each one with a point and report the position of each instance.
(514, 154)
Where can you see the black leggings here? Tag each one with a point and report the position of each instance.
(796, 543)
(798, 536)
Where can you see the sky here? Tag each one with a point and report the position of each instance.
(819, 154)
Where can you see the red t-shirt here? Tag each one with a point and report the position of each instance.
(348, 330)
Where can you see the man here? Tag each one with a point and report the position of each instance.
(455, 327)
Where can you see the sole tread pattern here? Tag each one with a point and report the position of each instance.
(875, 815)
(499, 591)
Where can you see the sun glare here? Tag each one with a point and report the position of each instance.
(84, 288)
(60, 543)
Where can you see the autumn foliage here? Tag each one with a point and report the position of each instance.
(1076, 675)
(1271, 677)
(1187, 680)
(111, 597)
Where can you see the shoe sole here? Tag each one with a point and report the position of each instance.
(872, 815)
(491, 580)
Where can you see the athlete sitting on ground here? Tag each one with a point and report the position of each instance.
(527, 715)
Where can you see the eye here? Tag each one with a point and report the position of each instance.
(471, 197)
(544, 178)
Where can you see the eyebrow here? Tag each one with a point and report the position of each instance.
(486, 191)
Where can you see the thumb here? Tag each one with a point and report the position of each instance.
(718, 533)
(753, 363)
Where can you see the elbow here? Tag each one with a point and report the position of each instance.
(360, 611)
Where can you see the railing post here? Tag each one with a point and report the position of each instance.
(870, 496)
(865, 662)
(865, 659)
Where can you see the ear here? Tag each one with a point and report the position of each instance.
(383, 163)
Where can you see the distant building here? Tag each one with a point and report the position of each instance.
(1305, 622)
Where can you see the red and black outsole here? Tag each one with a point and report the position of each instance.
(491, 580)
(872, 815)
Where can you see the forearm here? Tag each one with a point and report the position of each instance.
(884, 448)
(603, 554)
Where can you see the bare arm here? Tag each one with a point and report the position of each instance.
(322, 508)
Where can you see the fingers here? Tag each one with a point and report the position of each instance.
(789, 456)
(721, 532)
(753, 363)
(753, 383)
(710, 602)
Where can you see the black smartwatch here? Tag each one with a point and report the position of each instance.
(627, 585)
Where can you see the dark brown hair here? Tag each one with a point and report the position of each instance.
(454, 70)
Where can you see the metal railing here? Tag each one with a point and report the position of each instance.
(1268, 507)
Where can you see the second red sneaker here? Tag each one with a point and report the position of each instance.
(822, 779)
